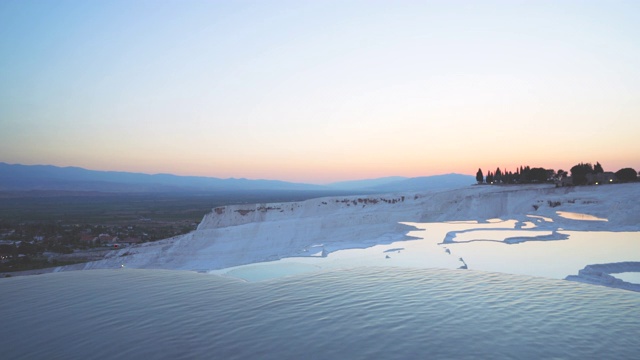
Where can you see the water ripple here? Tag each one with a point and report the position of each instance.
(359, 313)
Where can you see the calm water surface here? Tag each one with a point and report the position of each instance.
(360, 313)
(496, 246)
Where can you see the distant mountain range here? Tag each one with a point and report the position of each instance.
(16, 177)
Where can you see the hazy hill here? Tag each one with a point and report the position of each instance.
(47, 177)
(366, 184)
(436, 182)
(15, 177)
(399, 183)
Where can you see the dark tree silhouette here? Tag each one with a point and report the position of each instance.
(579, 173)
(561, 174)
(508, 177)
(489, 179)
(626, 175)
(479, 176)
(597, 168)
(522, 175)
(497, 177)
(537, 175)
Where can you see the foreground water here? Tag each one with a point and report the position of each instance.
(360, 313)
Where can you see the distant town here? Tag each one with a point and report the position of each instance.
(29, 245)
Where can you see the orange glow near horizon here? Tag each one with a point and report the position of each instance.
(325, 173)
(309, 92)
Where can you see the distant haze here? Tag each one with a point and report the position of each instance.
(16, 177)
(319, 91)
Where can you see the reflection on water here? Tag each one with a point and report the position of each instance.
(579, 216)
(494, 235)
(506, 246)
(553, 259)
(630, 277)
(541, 218)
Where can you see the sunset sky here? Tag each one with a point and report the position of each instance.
(319, 91)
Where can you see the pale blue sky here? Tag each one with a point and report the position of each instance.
(319, 91)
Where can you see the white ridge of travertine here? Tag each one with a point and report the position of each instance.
(243, 234)
(601, 274)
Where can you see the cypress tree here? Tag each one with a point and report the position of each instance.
(479, 176)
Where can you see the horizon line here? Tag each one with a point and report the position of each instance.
(231, 178)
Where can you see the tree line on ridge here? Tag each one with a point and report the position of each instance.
(580, 174)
